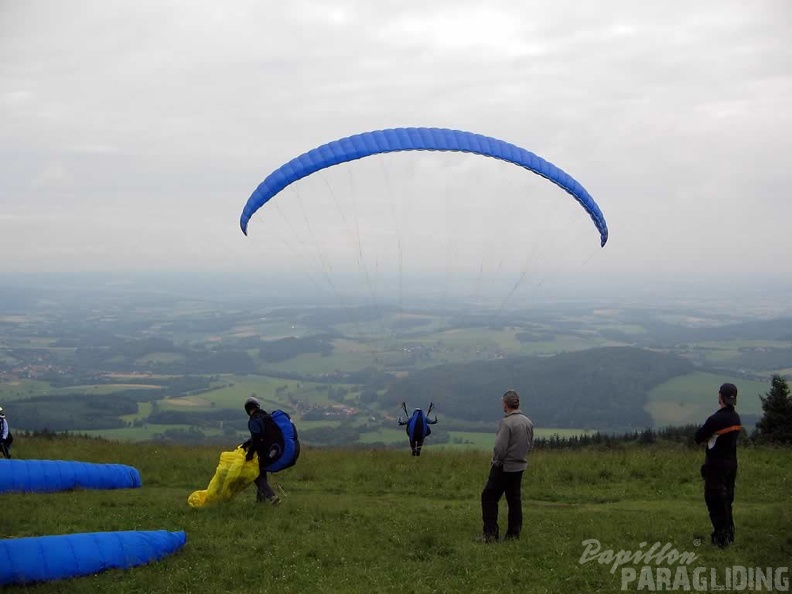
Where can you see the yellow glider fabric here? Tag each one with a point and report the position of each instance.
(233, 475)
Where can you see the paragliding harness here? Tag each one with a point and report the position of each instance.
(418, 427)
(281, 444)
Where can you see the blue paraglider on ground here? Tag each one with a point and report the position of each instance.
(49, 476)
(45, 558)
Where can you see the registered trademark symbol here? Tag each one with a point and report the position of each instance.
(696, 542)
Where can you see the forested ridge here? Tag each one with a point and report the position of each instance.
(601, 387)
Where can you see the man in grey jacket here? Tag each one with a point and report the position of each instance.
(509, 460)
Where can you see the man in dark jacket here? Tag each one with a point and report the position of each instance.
(258, 444)
(720, 432)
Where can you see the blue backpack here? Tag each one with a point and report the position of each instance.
(418, 426)
(280, 441)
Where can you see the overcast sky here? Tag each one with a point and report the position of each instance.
(133, 132)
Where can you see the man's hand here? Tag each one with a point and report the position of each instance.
(249, 454)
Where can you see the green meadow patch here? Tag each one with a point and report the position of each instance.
(21, 389)
(315, 364)
(725, 351)
(384, 521)
(691, 398)
(231, 391)
(101, 389)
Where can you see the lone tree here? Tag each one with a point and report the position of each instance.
(776, 423)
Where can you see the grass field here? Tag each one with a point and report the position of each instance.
(724, 351)
(315, 363)
(461, 345)
(102, 389)
(383, 521)
(17, 390)
(693, 397)
(234, 389)
(447, 346)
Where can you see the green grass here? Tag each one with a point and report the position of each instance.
(461, 345)
(103, 389)
(693, 397)
(724, 351)
(19, 390)
(314, 363)
(235, 389)
(144, 409)
(383, 521)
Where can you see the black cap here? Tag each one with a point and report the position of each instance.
(728, 393)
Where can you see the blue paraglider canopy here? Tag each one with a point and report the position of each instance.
(410, 139)
(44, 558)
(49, 476)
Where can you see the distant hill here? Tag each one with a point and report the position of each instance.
(597, 388)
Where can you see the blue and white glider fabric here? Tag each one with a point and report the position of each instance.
(411, 139)
(49, 476)
(45, 558)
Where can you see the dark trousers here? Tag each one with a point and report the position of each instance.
(719, 478)
(415, 446)
(5, 445)
(263, 489)
(498, 483)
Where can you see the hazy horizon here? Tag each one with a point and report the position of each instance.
(762, 298)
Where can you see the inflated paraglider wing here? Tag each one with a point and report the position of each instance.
(410, 139)
(48, 476)
(233, 475)
(44, 558)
